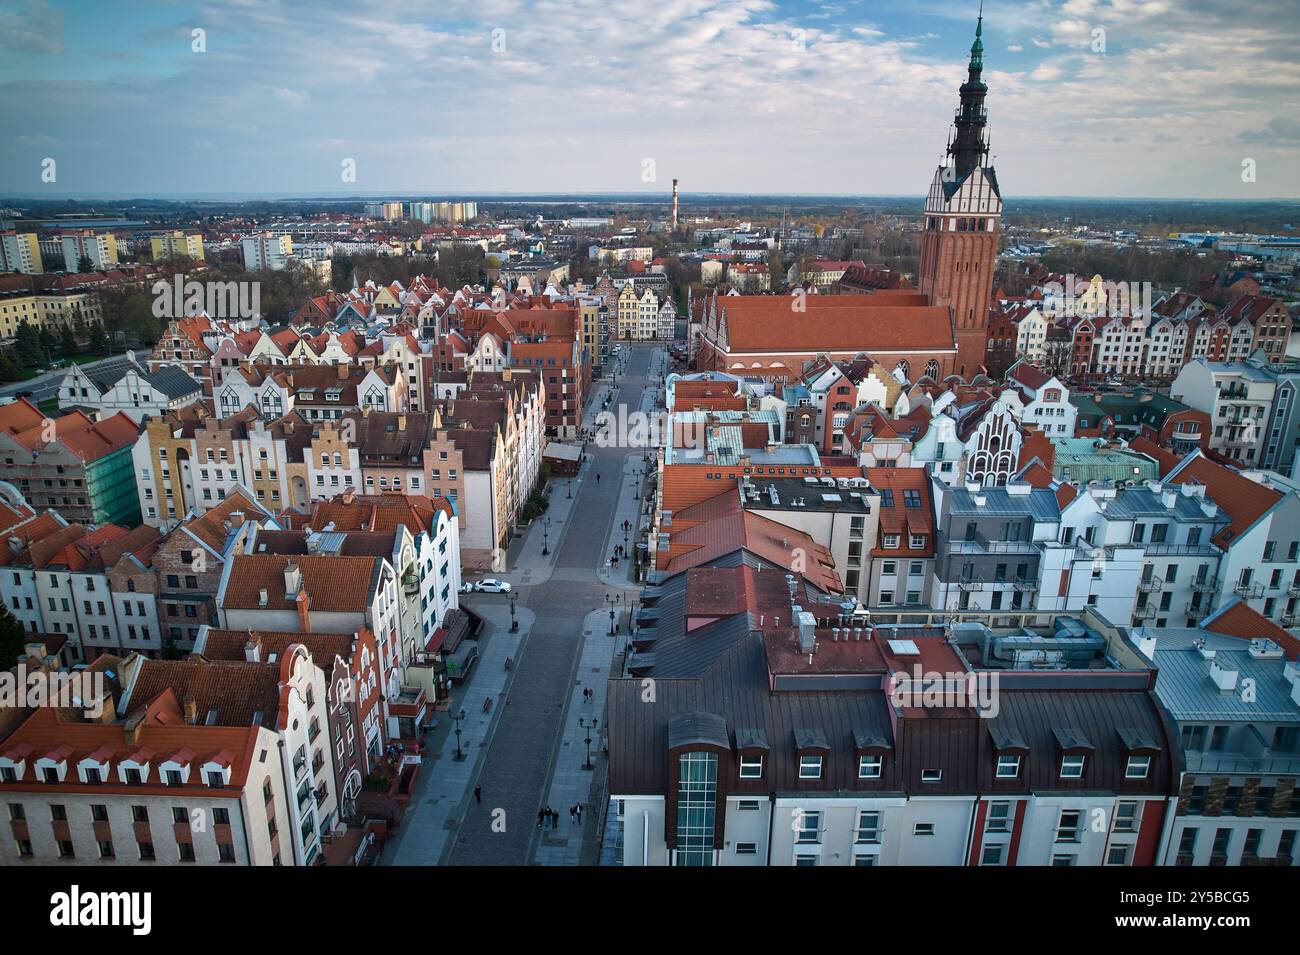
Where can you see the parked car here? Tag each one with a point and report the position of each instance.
(467, 588)
(1114, 381)
(490, 585)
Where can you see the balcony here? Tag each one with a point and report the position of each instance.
(1180, 550)
(1290, 620)
(1239, 763)
(1249, 591)
(1293, 590)
(970, 584)
(1210, 585)
(1151, 585)
(1025, 585)
(1147, 612)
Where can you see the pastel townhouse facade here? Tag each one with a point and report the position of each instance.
(179, 774)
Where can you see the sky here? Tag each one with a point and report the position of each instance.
(1159, 98)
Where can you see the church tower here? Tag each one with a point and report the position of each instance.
(963, 212)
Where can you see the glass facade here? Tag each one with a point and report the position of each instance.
(697, 790)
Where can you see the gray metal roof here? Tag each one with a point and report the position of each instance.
(1039, 503)
(173, 382)
(1133, 503)
(1185, 688)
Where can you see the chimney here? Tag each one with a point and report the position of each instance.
(131, 728)
(1223, 678)
(349, 495)
(1146, 645)
(342, 371)
(807, 631)
(1170, 498)
(236, 518)
(253, 648)
(191, 708)
(303, 603)
(262, 597)
(401, 422)
(292, 580)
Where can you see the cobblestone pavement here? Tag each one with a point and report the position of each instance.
(531, 751)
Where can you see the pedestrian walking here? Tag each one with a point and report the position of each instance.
(478, 794)
(541, 817)
(555, 819)
(573, 814)
(578, 809)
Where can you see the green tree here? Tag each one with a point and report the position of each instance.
(67, 342)
(8, 370)
(27, 349)
(13, 638)
(98, 339)
(85, 265)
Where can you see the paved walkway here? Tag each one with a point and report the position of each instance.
(443, 793)
(529, 751)
(571, 783)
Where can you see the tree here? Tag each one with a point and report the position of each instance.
(98, 339)
(67, 342)
(8, 370)
(27, 349)
(85, 265)
(13, 639)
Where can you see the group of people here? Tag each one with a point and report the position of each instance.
(547, 814)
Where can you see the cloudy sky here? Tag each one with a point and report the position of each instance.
(1086, 97)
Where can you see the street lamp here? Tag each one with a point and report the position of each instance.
(514, 624)
(568, 486)
(458, 717)
(613, 602)
(546, 530)
(590, 727)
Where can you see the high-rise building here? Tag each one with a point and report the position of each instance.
(962, 215)
(99, 248)
(20, 252)
(177, 244)
(266, 251)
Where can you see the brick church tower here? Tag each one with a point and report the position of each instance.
(963, 211)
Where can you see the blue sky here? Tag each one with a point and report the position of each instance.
(1086, 97)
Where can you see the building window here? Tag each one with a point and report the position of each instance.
(999, 818)
(992, 854)
(697, 788)
(808, 827)
(1137, 767)
(1072, 767)
(1126, 814)
(751, 767)
(810, 767)
(868, 832)
(923, 829)
(1068, 826)
(869, 767)
(1008, 767)
(931, 775)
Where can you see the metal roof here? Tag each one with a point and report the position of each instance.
(1185, 688)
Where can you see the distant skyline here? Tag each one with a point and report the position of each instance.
(795, 97)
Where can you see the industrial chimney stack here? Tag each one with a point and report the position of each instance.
(674, 205)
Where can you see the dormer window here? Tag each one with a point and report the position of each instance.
(810, 767)
(1137, 767)
(1008, 767)
(751, 767)
(1072, 766)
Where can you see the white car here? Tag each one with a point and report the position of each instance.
(490, 585)
(467, 588)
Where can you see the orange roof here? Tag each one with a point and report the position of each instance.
(1167, 459)
(333, 583)
(1244, 500)
(163, 732)
(901, 519)
(833, 323)
(1237, 619)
